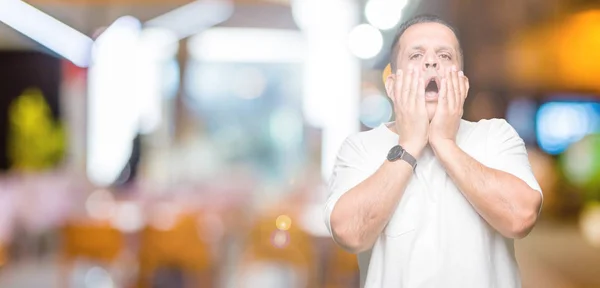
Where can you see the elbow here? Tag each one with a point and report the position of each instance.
(349, 241)
(524, 219)
(521, 225)
(347, 238)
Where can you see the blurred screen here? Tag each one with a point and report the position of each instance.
(521, 114)
(561, 123)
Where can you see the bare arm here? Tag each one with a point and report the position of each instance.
(360, 214)
(506, 202)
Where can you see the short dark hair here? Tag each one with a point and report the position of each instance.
(424, 18)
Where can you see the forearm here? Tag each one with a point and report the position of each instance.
(361, 214)
(506, 202)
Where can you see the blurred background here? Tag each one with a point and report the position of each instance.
(148, 143)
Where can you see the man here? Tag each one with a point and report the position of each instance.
(432, 200)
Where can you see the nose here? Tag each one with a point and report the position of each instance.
(431, 65)
(431, 62)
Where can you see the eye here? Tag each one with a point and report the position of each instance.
(446, 56)
(415, 56)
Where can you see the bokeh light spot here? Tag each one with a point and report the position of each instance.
(128, 217)
(374, 110)
(283, 222)
(365, 41)
(280, 239)
(384, 14)
(589, 223)
(98, 277)
(100, 205)
(581, 162)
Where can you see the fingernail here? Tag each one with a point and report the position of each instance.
(461, 73)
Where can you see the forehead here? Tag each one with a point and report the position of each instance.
(426, 34)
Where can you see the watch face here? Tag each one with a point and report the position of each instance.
(395, 153)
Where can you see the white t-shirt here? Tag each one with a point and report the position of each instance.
(435, 237)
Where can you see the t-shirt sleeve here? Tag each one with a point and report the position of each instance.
(506, 151)
(349, 170)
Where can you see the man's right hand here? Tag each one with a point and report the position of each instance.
(407, 90)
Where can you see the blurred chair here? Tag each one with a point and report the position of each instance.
(3, 255)
(92, 241)
(341, 269)
(273, 258)
(96, 241)
(179, 250)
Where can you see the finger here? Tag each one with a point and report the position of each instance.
(467, 86)
(443, 97)
(462, 81)
(406, 86)
(414, 87)
(397, 90)
(462, 85)
(456, 86)
(450, 89)
(442, 103)
(420, 98)
(456, 79)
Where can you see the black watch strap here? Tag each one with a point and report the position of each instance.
(409, 159)
(398, 153)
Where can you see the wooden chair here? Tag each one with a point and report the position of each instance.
(3, 255)
(180, 247)
(93, 241)
(296, 252)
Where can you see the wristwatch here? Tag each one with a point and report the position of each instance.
(397, 152)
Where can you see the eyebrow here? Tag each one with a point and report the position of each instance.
(437, 49)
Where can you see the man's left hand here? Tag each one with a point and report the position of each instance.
(452, 94)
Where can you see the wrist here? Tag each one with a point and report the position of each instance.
(440, 145)
(412, 148)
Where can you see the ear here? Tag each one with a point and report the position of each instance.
(388, 80)
(389, 86)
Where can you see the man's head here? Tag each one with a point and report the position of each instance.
(431, 45)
